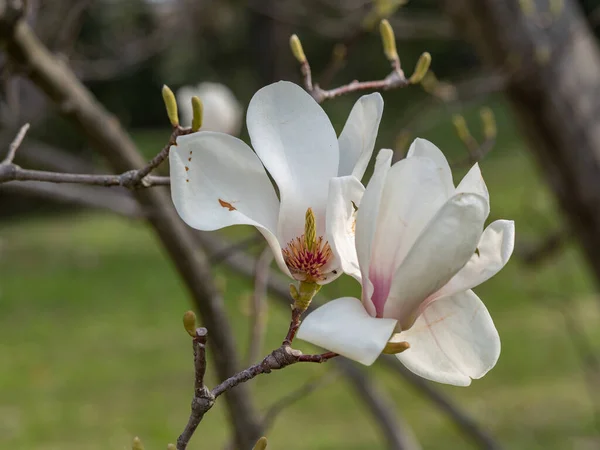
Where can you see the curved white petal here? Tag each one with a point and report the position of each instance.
(473, 183)
(453, 341)
(425, 149)
(442, 249)
(344, 194)
(297, 144)
(218, 181)
(366, 222)
(343, 326)
(493, 251)
(412, 195)
(357, 139)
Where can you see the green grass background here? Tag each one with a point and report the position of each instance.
(92, 351)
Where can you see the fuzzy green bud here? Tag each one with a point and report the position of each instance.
(389, 40)
(421, 68)
(171, 105)
(261, 444)
(137, 444)
(297, 49)
(305, 295)
(198, 111)
(489, 123)
(189, 323)
(461, 128)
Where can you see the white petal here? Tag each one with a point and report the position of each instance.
(297, 144)
(425, 149)
(412, 195)
(341, 216)
(343, 326)
(218, 181)
(366, 222)
(359, 134)
(473, 183)
(453, 341)
(442, 249)
(494, 249)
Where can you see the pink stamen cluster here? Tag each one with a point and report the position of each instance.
(304, 263)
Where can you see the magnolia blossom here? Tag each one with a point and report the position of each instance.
(222, 111)
(420, 248)
(218, 181)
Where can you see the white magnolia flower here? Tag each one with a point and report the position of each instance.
(217, 180)
(222, 111)
(420, 248)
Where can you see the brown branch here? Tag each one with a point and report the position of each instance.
(132, 179)
(59, 83)
(294, 324)
(14, 145)
(203, 399)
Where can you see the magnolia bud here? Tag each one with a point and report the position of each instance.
(189, 323)
(137, 444)
(389, 40)
(421, 68)
(261, 444)
(171, 105)
(297, 49)
(197, 111)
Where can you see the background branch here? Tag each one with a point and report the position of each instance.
(107, 136)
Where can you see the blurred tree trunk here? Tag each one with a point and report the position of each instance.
(552, 65)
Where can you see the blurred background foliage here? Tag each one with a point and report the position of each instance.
(91, 347)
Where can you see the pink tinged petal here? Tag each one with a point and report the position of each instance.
(344, 193)
(473, 183)
(493, 252)
(296, 142)
(357, 139)
(453, 341)
(412, 195)
(343, 326)
(424, 149)
(218, 181)
(442, 249)
(366, 222)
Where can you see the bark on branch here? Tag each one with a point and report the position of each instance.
(105, 133)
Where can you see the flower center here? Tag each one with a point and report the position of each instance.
(306, 263)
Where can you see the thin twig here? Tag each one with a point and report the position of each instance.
(132, 179)
(294, 325)
(392, 81)
(259, 305)
(14, 145)
(203, 399)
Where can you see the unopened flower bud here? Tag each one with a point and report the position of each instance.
(297, 49)
(197, 112)
(461, 128)
(389, 40)
(421, 68)
(137, 444)
(489, 123)
(171, 105)
(189, 323)
(261, 444)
